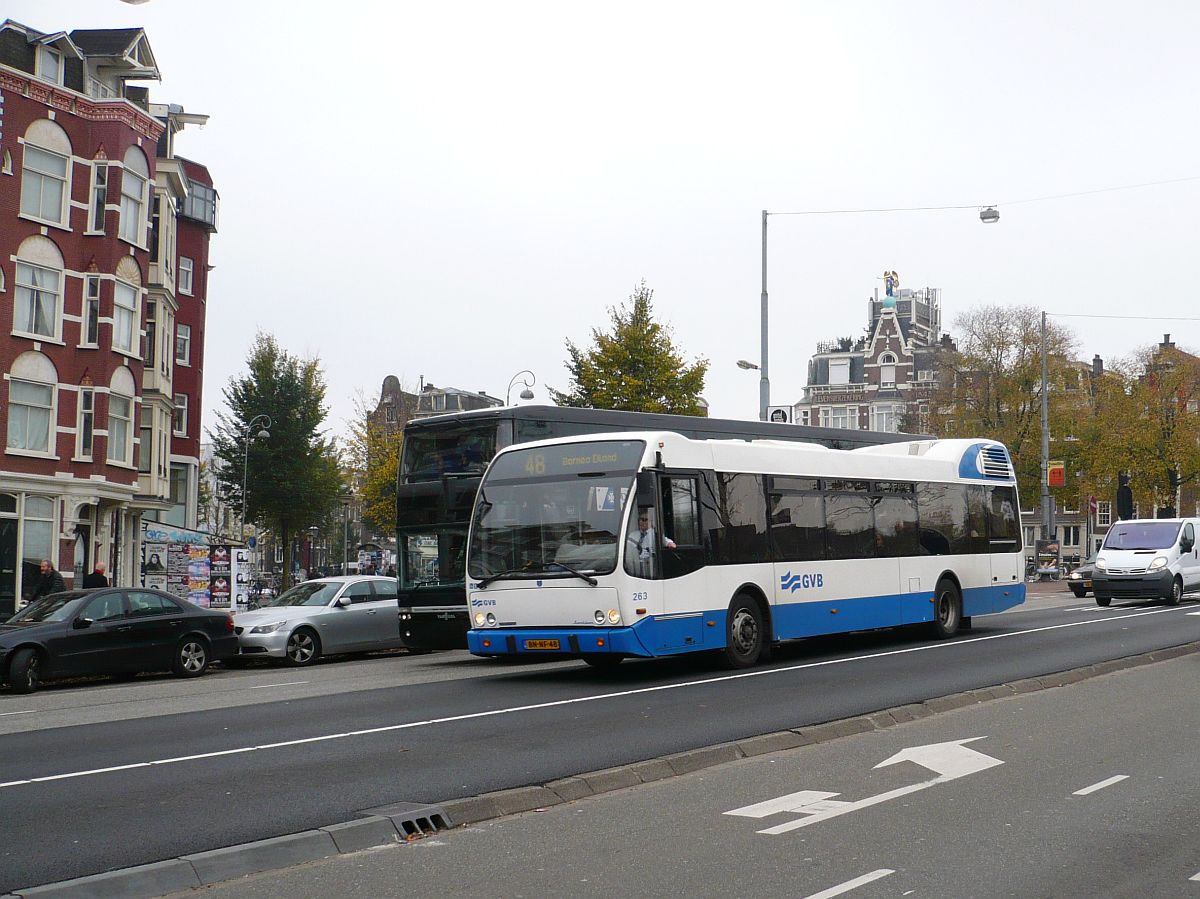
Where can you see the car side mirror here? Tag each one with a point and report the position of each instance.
(81, 623)
(343, 601)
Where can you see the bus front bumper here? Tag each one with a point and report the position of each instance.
(574, 641)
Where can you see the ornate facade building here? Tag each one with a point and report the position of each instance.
(103, 267)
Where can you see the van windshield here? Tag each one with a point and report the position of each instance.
(1142, 535)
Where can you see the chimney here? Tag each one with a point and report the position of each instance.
(1166, 344)
(1097, 366)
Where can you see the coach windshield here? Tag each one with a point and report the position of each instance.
(552, 511)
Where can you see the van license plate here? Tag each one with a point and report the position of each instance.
(541, 644)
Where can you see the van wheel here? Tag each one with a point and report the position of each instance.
(743, 633)
(947, 610)
(1176, 591)
(1103, 600)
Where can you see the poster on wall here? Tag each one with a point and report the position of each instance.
(201, 568)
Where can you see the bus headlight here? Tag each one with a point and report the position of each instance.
(479, 619)
(491, 620)
(598, 617)
(614, 616)
(1158, 563)
(1101, 565)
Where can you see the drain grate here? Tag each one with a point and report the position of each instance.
(413, 819)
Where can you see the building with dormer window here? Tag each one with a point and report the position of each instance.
(880, 381)
(93, 231)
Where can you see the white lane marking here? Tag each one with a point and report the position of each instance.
(1195, 876)
(512, 710)
(290, 683)
(24, 712)
(851, 884)
(1194, 613)
(1100, 786)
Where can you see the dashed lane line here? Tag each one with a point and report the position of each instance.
(290, 683)
(852, 884)
(1101, 785)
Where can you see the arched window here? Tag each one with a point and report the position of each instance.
(127, 309)
(32, 390)
(37, 303)
(887, 370)
(46, 173)
(134, 181)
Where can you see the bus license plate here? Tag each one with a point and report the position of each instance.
(541, 644)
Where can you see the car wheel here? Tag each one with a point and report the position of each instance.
(1079, 592)
(603, 660)
(1103, 600)
(947, 610)
(191, 657)
(1176, 592)
(303, 647)
(743, 633)
(25, 672)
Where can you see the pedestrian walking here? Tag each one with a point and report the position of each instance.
(50, 582)
(96, 578)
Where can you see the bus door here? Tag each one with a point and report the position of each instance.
(682, 554)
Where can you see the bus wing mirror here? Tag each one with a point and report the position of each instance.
(645, 488)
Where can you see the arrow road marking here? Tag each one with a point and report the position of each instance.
(949, 761)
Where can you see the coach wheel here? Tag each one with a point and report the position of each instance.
(947, 610)
(743, 633)
(1103, 600)
(603, 660)
(1176, 591)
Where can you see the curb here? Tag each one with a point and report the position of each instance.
(404, 821)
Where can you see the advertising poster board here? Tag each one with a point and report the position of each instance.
(1049, 557)
(201, 568)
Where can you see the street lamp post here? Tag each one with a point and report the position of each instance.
(764, 382)
(263, 434)
(345, 535)
(525, 394)
(1047, 499)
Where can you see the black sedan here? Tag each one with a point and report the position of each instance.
(111, 631)
(1080, 580)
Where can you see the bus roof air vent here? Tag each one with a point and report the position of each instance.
(994, 462)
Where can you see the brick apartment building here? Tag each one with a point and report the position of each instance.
(103, 273)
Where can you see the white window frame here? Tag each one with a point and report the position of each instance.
(839, 364)
(28, 290)
(146, 440)
(56, 77)
(1103, 514)
(113, 418)
(90, 319)
(131, 328)
(85, 427)
(179, 419)
(133, 207)
(35, 178)
(183, 338)
(186, 275)
(99, 196)
(13, 416)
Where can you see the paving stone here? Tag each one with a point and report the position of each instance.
(363, 833)
(158, 879)
(950, 703)
(610, 779)
(777, 742)
(524, 799)
(705, 757)
(263, 855)
(471, 809)
(570, 788)
(652, 770)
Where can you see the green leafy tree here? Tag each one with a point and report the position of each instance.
(373, 457)
(294, 477)
(635, 367)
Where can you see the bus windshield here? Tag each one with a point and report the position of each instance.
(553, 509)
(431, 453)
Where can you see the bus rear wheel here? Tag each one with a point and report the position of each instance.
(947, 610)
(743, 633)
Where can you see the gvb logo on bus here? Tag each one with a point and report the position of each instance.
(790, 583)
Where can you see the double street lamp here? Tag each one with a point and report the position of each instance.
(263, 434)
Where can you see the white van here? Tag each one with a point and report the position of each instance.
(1148, 558)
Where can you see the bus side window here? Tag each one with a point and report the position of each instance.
(681, 523)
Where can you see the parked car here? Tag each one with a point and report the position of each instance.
(1080, 580)
(111, 631)
(322, 617)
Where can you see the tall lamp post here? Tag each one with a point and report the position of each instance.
(346, 533)
(525, 394)
(263, 434)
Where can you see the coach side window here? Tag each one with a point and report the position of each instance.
(895, 519)
(975, 537)
(797, 519)
(849, 522)
(681, 523)
(741, 532)
(942, 509)
(1004, 529)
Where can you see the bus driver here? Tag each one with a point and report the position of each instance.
(642, 544)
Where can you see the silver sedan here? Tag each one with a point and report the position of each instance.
(324, 616)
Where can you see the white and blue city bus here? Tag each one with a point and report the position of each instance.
(652, 544)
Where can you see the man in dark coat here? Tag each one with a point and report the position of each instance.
(96, 578)
(50, 582)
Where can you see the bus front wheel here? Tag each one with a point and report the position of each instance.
(947, 610)
(743, 633)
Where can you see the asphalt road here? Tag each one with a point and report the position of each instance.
(141, 783)
(1085, 790)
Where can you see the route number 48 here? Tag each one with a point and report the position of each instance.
(536, 464)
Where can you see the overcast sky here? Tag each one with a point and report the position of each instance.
(450, 190)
